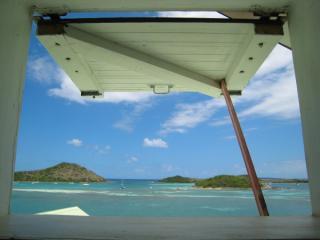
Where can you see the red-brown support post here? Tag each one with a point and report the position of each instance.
(256, 188)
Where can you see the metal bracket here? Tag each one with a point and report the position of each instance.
(61, 11)
(270, 13)
(161, 89)
(45, 28)
(268, 29)
(51, 27)
(233, 93)
(91, 93)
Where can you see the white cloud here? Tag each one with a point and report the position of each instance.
(280, 57)
(278, 96)
(272, 93)
(129, 118)
(230, 137)
(283, 169)
(167, 167)
(220, 122)
(190, 115)
(75, 142)
(139, 170)
(44, 70)
(155, 142)
(245, 132)
(238, 168)
(132, 159)
(102, 149)
(67, 89)
(191, 14)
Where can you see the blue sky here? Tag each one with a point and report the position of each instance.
(131, 135)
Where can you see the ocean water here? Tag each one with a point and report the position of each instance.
(151, 198)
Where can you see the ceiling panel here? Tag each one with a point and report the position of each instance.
(106, 57)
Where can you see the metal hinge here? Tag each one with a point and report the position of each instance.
(272, 14)
(161, 88)
(39, 11)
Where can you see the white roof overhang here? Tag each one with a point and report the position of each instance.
(159, 54)
(49, 6)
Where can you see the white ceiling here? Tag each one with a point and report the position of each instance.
(188, 56)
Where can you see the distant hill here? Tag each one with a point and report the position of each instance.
(63, 172)
(221, 181)
(224, 181)
(177, 179)
(228, 181)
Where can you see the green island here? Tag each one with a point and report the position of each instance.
(224, 181)
(228, 181)
(62, 172)
(177, 179)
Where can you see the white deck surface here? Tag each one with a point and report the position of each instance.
(70, 227)
(71, 211)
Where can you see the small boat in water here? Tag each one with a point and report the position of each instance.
(122, 185)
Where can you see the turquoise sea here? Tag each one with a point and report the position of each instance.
(151, 198)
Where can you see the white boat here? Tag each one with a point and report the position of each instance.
(122, 185)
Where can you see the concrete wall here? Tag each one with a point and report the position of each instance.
(15, 26)
(304, 20)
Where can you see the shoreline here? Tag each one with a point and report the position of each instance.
(34, 182)
(235, 188)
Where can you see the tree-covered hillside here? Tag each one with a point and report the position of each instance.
(63, 172)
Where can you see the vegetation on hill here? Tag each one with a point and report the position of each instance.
(224, 181)
(63, 172)
(228, 181)
(177, 179)
(283, 180)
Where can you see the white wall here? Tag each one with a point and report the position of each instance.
(15, 26)
(304, 26)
